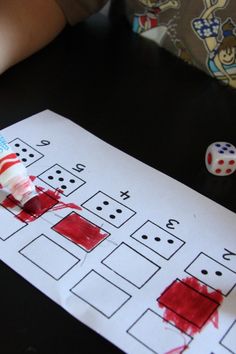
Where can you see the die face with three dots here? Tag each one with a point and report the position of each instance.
(220, 158)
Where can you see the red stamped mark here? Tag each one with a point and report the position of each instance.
(80, 231)
(189, 305)
(74, 227)
(49, 200)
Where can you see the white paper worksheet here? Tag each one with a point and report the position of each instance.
(140, 258)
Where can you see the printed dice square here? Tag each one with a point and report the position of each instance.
(60, 179)
(25, 152)
(212, 273)
(158, 239)
(108, 209)
(220, 158)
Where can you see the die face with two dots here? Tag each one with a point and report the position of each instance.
(220, 158)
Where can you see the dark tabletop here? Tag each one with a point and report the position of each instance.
(135, 96)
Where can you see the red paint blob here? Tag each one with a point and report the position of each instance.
(228, 170)
(189, 306)
(221, 162)
(231, 162)
(80, 231)
(218, 170)
(49, 200)
(46, 202)
(33, 206)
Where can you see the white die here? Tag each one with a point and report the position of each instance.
(220, 158)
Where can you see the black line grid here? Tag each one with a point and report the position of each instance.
(131, 265)
(49, 256)
(228, 341)
(81, 231)
(108, 209)
(212, 273)
(25, 152)
(61, 179)
(100, 293)
(13, 225)
(157, 239)
(157, 334)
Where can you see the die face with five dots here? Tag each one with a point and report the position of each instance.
(220, 158)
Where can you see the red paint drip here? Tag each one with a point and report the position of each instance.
(56, 195)
(189, 305)
(178, 350)
(49, 201)
(80, 231)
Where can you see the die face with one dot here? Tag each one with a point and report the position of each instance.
(220, 158)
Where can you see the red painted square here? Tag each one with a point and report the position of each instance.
(188, 303)
(81, 231)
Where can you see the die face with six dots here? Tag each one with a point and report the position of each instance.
(220, 158)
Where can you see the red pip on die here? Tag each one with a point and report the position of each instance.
(220, 158)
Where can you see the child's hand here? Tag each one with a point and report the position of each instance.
(25, 27)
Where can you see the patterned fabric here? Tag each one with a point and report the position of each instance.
(206, 28)
(146, 21)
(202, 33)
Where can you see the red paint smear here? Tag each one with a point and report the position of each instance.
(49, 200)
(80, 231)
(178, 350)
(57, 196)
(9, 202)
(187, 309)
(214, 295)
(46, 203)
